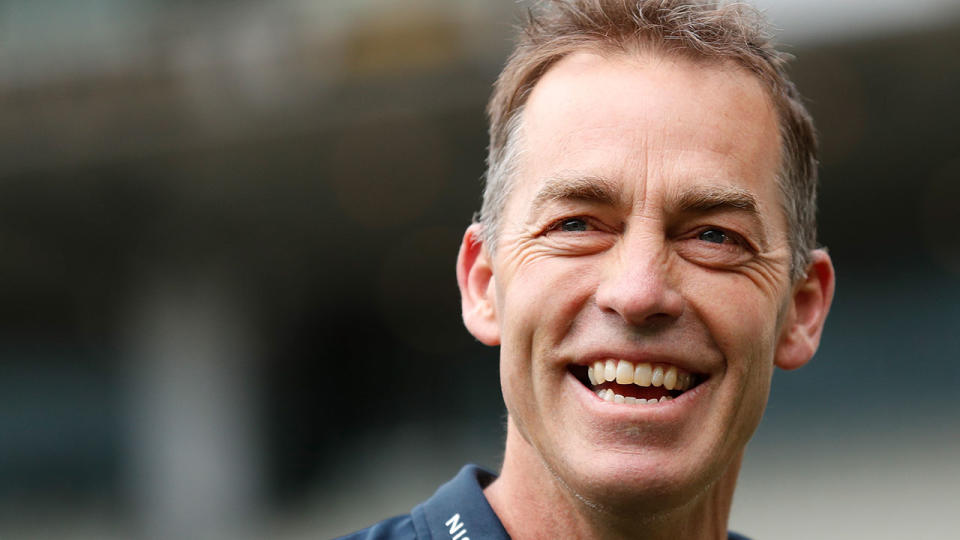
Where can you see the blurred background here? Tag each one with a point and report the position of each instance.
(227, 295)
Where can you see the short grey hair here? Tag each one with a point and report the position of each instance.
(698, 29)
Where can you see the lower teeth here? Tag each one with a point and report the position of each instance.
(609, 395)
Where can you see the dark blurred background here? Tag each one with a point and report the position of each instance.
(227, 295)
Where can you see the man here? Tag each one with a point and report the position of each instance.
(645, 256)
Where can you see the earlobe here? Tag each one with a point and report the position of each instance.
(475, 279)
(809, 305)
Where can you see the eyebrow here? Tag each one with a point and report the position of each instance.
(602, 191)
(591, 189)
(716, 198)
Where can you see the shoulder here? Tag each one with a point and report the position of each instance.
(395, 528)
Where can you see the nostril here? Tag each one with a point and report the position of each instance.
(640, 297)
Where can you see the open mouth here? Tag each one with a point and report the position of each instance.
(621, 381)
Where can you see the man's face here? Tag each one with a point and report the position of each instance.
(644, 226)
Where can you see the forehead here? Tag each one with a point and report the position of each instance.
(637, 118)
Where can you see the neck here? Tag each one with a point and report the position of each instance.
(532, 502)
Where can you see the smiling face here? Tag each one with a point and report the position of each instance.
(643, 240)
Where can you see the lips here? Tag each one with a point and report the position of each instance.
(622, 381)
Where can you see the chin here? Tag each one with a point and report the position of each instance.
(656, 481)
(651, 487)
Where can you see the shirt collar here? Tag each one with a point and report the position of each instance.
(459, 510)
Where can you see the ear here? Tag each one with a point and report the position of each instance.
(809, 304)
(475, 278)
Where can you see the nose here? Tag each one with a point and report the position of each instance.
(637, 283)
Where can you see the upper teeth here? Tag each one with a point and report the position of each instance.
(644, 374)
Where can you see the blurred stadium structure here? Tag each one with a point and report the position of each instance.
(227, 301)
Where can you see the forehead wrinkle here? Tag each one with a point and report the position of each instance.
(576, 187)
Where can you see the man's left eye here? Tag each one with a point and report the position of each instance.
(573, 225)
(715, 247)
(714, 236)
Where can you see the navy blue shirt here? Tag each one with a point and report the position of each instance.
(457, 511)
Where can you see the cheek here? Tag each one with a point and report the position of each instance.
(543, 297)
(741, 321)
(740, 317)
(539, 304)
